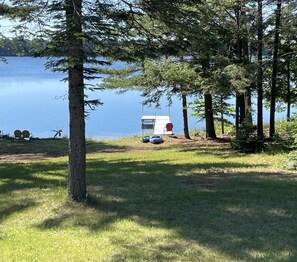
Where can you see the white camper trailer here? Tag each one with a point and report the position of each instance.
(160, 125)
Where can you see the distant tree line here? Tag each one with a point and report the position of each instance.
(18, 46)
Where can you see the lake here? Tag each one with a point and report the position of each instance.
(35, 99)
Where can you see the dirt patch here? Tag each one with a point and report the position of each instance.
(194, 141)
(23, 158)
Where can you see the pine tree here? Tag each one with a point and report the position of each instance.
(77, 32)
(275, 68)
(260, 70)
(156, 78)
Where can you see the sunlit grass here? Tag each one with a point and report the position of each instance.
(170, 202)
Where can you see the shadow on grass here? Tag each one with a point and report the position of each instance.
(247, 216)
(221, 150)
(17, 177)
(8, 209)
(18, 180)
(241, 215)
(52, 147)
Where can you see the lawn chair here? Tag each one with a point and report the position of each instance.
(168, 129)
(26, 135)
(17, 134)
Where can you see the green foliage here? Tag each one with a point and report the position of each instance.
(284, 139)
(154, 78)
(18, 46)
(291, 163)
(292, 156)
(198, 109)
(287, 130)
(246, 140)
(278, 144)
(229, 128)
(238, 77)
(197, 132)
(222, 111)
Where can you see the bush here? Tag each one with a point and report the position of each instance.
(284, 138)
(286, 130)
(197, 132)
(246, 140)
(279, 144)
(292, 161)
(292, 157)
(229, 128)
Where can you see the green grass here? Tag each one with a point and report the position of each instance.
(170, 202)
(51, 147)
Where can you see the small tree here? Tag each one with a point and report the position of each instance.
(222, 110)
(165, 77)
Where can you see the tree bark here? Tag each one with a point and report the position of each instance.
(288, 92)
(240, 111)
(209, 120)
(275, 68)
(222, 116)
(185, 116)
(240, 100)
(77, 147)
(260, 131)
(248, 107)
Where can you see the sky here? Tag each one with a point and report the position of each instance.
(6, 27)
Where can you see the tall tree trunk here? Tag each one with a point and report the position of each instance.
(222, 116)
(248, 107)
(241, 108)
(239, 42)
(240, 111)
(240, 101)
(185, 116)
(77, 148)
(236, 114)
(209, 120)
(260, 131)
(275, 68)
(288, 91)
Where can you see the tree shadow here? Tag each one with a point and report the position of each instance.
(18, 177)
(54, 147)
(237, 213)
(8, 209)
(18, 181)
(24, 177)
(221, 150)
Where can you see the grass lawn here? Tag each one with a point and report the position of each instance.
(179, 201)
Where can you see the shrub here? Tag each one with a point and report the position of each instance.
(292, 157)
(279, 144)
(292, 161)
(197, 132)
(284, 138)
(287, 130)
(246, 140)
(228, 128)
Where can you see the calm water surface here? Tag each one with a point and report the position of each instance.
(35, 99)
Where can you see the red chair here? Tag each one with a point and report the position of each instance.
(168, 128)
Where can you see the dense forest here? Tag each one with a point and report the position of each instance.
(211, 50)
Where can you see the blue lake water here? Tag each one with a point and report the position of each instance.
(35, 99)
